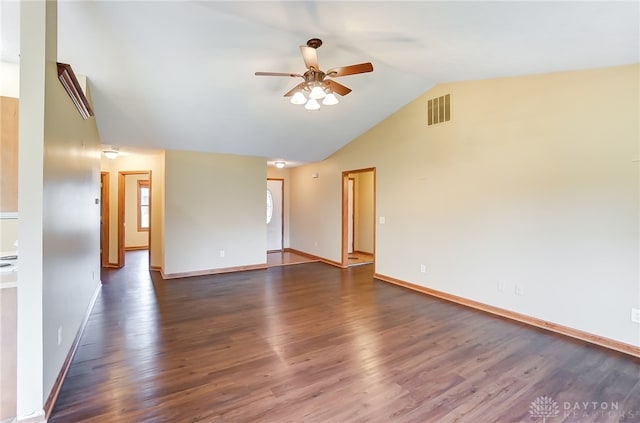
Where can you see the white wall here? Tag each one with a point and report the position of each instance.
(214, 202)
(534, 182)
(133, 238)
(9, 79)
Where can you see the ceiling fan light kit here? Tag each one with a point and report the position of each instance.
(315, 86)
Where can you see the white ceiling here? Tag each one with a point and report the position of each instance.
(180, 74)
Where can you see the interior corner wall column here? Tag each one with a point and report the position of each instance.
(38, 52)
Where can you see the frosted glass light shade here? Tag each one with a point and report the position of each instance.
(110, 154)
(312, 104)
(330, 100)
(298, 98)
(317, 93)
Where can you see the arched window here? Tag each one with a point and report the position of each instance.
(269, 206)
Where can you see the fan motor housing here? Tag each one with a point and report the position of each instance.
(314, 43)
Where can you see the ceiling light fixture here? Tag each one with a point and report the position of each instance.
(330, 100)
(279, 165)
(318, 85)
(298, 98)
(312, 104)
(111, 154)
(315, 91)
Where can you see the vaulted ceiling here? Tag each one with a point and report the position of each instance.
(180, 74)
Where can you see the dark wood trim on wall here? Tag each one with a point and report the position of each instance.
(316, 258)
(533, 321)
(137, 248)
(73, 88)
(213, 271)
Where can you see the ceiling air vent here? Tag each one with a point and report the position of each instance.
(439, 110)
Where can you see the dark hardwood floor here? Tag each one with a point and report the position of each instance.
(314, 343)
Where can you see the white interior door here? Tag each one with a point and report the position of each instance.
(350, 216)
(275, 189)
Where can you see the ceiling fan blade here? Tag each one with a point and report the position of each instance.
(350, 70)
(278, 74)
(294, 89)
(310, 56)
(338, 88)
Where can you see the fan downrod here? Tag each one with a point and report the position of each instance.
(314, 43)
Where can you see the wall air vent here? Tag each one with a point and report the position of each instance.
(439, 110)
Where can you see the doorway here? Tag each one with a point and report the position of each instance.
(137, 217)
(104, 219)
(275, 214)
(350, 214)
(358, 216)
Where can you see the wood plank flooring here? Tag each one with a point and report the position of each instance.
(285, 258)
(357, 258)
(314, 343)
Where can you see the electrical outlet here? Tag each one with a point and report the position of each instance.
(423, 268)
(59, 335)
(383, 220)
(501, 286)
(518, 290)
(635, 315)
(221, 253)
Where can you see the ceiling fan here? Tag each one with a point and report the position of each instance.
(316, 85)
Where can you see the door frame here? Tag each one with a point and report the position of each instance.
(281, 215)
(121, 207)
(345, 213)
(353, 215)
(104, 219)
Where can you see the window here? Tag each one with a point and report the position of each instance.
(269, 206)
(143, 205)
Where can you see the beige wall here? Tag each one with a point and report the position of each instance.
(131, 162)
(316, 208)
(133, 238)
(71, 223)
(59, 227)
(533, 182)
(214, 203)
(364, 220)
(274, 172)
